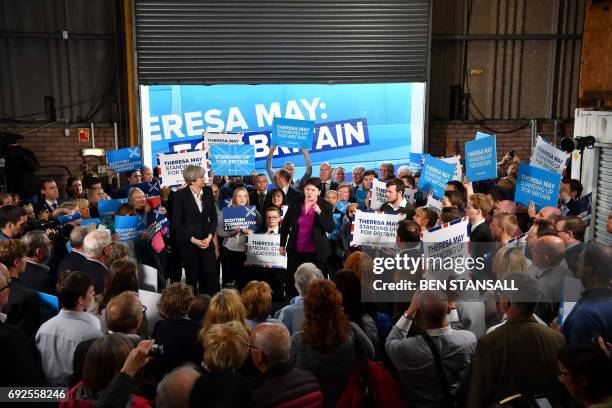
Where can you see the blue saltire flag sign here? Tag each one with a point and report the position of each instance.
(360, 197)
(293, 133)
(123, 160)
(239, 217)
(481, 159)
(232, 160)
(337, 223)
(151, 189)
(341, 206)
(537, 185)
(129, 227)
(435, 175)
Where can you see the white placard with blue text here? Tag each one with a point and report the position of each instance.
(481, 159)
(435, 175)
(537, 185)
(548, 157)
(123, 160)
(292, 132)
(232, 160)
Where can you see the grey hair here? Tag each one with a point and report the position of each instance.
(274, 340)
(34, 240)
(325, 164)
(404, 168)
(304, 274)
(360, 168)
(388, 165)
(191, 172)
(174, 386)
(95, 242)
(134, 190)
(77, 235)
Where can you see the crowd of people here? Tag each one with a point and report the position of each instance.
(233, 334)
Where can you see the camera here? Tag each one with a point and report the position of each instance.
(57, 231)
(157, 350)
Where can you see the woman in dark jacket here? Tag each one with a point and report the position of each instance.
(195, 220)
(303, 232)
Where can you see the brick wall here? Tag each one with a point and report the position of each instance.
(447, 138)
(53, 149)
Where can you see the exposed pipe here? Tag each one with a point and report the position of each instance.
(93, 136)
(129, 65)
(506, 37)
(554, 63)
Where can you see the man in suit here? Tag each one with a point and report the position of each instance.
(97, 246)
(36, 275)
(386, 171)
(75, 260)
(521, 354)
(290, 167)
(258, 196)
(571, 230)
(17, 361)
(357, 177)
(396, 202)
(314, 215)
(22, 308)
(226, 192)
(282, 179)
(273, 276)
(50, 200)
(325, 174)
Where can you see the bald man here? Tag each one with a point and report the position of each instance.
(175, 388)
(548, 253)
(552, 214)
(505, 206)
(279, 383)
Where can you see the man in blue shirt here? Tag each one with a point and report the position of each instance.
(592, 315)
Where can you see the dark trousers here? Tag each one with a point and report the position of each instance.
(233, 269)
(295, 259)
(200, 269)
(274, 278)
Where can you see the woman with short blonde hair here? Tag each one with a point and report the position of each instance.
(226, 346)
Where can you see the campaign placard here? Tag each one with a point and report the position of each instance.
(292, 133)
(223, 138)
(455, 161)
(481, 159)
(64, 219)
(537, 185)
(171, 166)
(232, 160)
(378, 194)
(434, 204)
(435, 175)
(88, 221)
(410, 194)
(548, 157)
(107, 208)
(447, 240)
(129, 227)
(263, 250)
(360, 198)
(151, 189)
(239, 217)
(123, 160)
(375, 229)
(481, 135)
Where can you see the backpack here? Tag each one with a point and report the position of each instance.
(370, 384)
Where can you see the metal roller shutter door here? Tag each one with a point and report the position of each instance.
(604, 196)
(273, 41)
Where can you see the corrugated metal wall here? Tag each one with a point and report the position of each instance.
(83, 73)
(276, 41)
(528, 51)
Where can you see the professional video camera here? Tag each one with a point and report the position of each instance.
(57, 231)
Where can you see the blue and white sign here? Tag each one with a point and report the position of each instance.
(481, 159)
(87, 221)
(435, 175)
(354, 123)
(63, 219)
(107, 208)
(123, 160)
(292, 132)
(129, 227)
(480, 135)
(232, 160)
(239, 217)
(151, 189)
(537, 185)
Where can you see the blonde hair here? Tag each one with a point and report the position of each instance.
(480, 202)
(225, 306)
(81, 203)
(507, 221)
(226, 346)
(257, 299)
(236, 191)
(508, 260)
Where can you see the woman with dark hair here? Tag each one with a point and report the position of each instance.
(304, 232)
(122, 276)
(275, 198)
(328, 343)
(586, 371)
(105, 358)
(349, 286)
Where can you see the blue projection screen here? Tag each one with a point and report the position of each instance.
(354, 123)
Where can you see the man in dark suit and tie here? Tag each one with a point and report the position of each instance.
(75, 260)
(477, 209)
(571, 231)
(50, 200)
(259, 195)
(325, 174)
(97, 246)
(36, 275)
(282, 180)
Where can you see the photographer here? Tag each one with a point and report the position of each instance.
(36, 275)
(12, 221)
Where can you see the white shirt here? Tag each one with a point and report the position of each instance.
(285, 189)
(52, 204)
(401, 204)
(197, 198)
(272, 230)
(2, 317)
(477, 224)
(57, 339)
